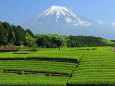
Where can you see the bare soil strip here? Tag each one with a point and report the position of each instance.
(54, 60)
(42, 59)
(29, 72)
(113, 49)
(14, 48)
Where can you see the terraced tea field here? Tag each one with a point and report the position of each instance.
(38, 66)
(12, 79)
(96, 68)
(42, 67)
(45, 53)
(51, 67)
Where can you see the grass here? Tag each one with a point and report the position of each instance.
(96, 67)
(11, 79)
(38, 66)
(66, 53)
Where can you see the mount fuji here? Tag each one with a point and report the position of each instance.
(60, 20)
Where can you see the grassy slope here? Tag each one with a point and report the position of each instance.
(38, 66)
(97, 67)
(46, 66)
(66, 53)
(31, 80)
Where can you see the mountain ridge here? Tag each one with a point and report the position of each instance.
(60, 20)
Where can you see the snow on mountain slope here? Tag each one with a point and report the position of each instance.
(60, 20)
(58, 11)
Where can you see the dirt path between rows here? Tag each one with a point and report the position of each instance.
(41, 59)
(113, 49)
(29, 72)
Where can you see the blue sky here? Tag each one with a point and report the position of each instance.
(19, 11)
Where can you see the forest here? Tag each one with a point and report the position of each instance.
(18, 36)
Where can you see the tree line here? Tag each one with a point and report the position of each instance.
(49, 41)
(16, 35)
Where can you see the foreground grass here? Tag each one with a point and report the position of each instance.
(66, 53)
(11, 79)
(38, 66)
(96, 68)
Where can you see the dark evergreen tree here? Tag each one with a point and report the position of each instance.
(20, 35)
(30, 32)
(3, 35)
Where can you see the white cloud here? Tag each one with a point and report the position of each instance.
(113, 24)
(88, 24)
(75, 24)
(83, 23)
(106, 23)
(100, 22)
(68, 20)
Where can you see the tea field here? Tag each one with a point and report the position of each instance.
(51, 67)
(96, 68)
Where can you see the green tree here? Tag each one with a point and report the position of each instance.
(58, 40)
(30, 32)
(3, 35)
(20, 35)
(12, 37)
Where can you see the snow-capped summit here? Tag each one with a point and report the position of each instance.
(70, 17)
(60, 20)
(58, 10)
(56, 19)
